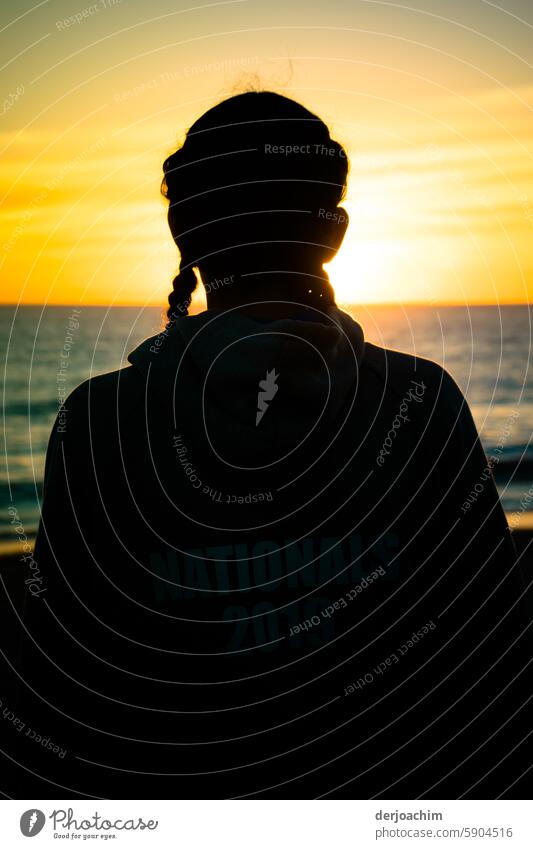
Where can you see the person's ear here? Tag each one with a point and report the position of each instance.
(335, 223)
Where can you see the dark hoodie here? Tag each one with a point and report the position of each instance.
(262, 575)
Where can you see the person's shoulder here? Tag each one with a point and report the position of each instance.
(399, 370)
(104, 392)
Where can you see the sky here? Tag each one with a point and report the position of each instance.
(433, 102)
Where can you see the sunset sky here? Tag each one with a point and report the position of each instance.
(432, 101)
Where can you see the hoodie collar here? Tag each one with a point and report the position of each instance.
(256, 389)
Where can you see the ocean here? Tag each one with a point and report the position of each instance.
(46, 352)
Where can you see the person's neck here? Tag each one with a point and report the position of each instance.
(264, 309)
(272, 302)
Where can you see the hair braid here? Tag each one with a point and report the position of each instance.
(180, 297)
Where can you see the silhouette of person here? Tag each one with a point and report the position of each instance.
(262, 575)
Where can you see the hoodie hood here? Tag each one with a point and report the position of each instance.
(255, 389)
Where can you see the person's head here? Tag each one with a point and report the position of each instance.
(253, 204)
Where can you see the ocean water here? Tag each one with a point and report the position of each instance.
(486, 349)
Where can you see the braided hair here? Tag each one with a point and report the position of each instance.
(180, 297)
(247, 187)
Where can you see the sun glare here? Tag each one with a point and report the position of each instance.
(363, 271)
